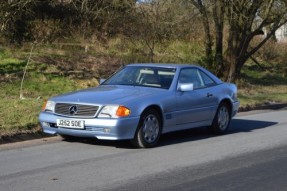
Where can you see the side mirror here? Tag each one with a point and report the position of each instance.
(185, 87)
(102, 80)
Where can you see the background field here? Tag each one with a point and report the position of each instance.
(63, 68)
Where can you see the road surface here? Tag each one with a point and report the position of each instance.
(252, 156)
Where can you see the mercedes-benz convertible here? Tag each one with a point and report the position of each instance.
(142, 101)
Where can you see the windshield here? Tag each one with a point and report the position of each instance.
(143, 76)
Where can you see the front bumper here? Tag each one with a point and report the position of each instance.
(106, 129)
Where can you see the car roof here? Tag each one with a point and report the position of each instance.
(163, 65)
(178, 66)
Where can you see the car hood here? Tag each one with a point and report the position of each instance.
(107, 94)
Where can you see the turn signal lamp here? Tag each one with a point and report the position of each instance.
(44, 106)
(123, 111)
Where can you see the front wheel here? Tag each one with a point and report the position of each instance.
(148, 131)
(221, 120)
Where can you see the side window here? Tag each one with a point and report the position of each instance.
(191, 75)
(206, 79)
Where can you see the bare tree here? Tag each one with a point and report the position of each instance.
(244, 20)
(155, 22)
(14, 19)
(96, 19)
(203, 9)
(150, 27)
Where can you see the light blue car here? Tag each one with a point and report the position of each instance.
(142, 101)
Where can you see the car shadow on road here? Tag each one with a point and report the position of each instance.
(244, 125)
(124, 144)
(236, 126)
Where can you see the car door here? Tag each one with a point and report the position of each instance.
(198, 105)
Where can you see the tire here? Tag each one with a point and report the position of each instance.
(221, 119)
(149, 130)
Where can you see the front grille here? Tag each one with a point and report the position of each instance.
(69, 109)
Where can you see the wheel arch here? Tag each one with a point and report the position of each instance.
(138, 141)
(158, 109)
(228, 102)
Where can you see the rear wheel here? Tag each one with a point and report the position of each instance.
(221, 120)
(148, 131)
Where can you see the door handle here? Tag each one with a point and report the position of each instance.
(209, 95)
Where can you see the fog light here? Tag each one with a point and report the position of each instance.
(46, 124)
(107, 130)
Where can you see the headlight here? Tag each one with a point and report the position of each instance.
(114, 111)
(49, 106)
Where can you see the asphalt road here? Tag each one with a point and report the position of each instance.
(252, 156)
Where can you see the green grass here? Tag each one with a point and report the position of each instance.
(262, 98)
(18, 116)
(262, 86)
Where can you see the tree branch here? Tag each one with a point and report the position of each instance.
(25, 70)
(265, 39)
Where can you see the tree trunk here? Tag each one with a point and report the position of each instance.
(232, 73)
(206, 27)
(231, 55)
(208, 41)
(218, 16)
